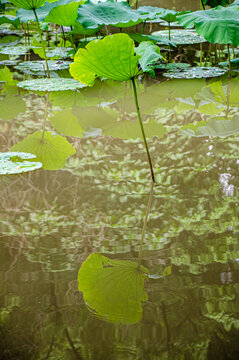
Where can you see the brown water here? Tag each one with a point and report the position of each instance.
(52, 220)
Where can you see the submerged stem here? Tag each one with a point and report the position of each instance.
(145, 223)
(42, 42)
(142, 130)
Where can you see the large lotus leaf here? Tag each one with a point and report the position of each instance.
(150, 12)
(51, 151)
(54, 84)
(178, 36)
(66, 123)
(113, 289)
(9, 19)
(149, 56)
(218, 25)
(28, 15)
(80, 29)
(219, 128)
(117, 14)
(17, 163)
(28, 4)
(40, 65)
(64, 15)
(112, 58)
(195, 72)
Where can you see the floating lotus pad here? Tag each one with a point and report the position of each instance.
(16, 163)
(9, 62)
(195, 72)
(40, 65)
(179, 37)
(60, 52)
(16, 50)
(55, 84)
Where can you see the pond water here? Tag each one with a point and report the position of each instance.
(95, 201)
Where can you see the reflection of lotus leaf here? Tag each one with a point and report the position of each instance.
(112, 58)
(55, 84)
(179, 37)
(16, 163)
(215, 127)
(195, 72)
(113, 289)
(40, 65)
(51, 150)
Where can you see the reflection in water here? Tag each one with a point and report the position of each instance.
(51, 221)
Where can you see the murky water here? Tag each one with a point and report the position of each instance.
(52, 220)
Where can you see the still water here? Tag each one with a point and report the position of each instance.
(52, 220)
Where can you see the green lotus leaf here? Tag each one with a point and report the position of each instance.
(54, 84)
(15, 50)
(218, 25)
(219, 128)
(149, 56)
(112, 58)
(27, 15)
(113, 289)
(59, 52)
(64, 15)
(169, 15)
(195, 72)
(51, 151)
(172, 66)
(119, 14)
(150, 12)
(17, 163)
(28, 4)
(9, 19)
(179, 37)
(80, 29)
(40, 65)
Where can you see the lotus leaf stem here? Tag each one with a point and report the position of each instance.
(229, 60)
(145, 223)
(42, 42)
(142, 129)
(45, 116)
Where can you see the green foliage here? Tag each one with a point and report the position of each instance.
(218, 25)
(149, 56)
(111, 58)
(113, 289)
(28, 4)
(17, 163)
(119, 14)
(51, 151)
(65, 14)
(214, 3)
(178, 36)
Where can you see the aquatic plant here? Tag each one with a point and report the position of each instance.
(114, 58)
(33, 5)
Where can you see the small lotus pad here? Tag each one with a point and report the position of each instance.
(15, 163)
(180, 37)
(40, 65)
(55, 84)
(195, 72)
